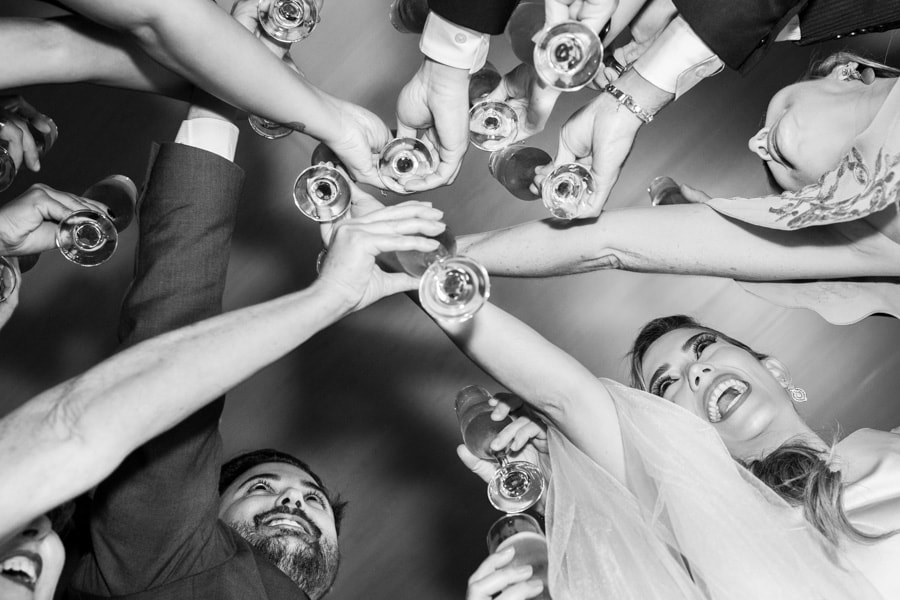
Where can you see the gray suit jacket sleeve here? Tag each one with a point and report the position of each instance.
(154, 520)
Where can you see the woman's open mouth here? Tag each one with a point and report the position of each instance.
(724, 397)
(23, 568)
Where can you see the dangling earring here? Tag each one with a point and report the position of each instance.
(798, 394)
(848, 73)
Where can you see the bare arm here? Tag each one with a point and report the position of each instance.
(685, 239)
(548, 379)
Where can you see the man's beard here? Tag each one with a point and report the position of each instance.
(311, 565)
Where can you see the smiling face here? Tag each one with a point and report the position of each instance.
(31, 562)
(809, 127)
(282, 511)
(742, 396)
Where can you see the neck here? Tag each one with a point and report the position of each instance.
(789, 429)
(870, 98)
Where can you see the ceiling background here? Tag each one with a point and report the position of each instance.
(368, 402)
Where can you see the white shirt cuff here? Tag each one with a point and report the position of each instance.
(678, 59)
(452, 45)
(213, 135)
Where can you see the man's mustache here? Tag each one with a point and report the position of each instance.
(287, 510)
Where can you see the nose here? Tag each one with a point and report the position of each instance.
(697, 372)
(290, 497)
(38, 529)
(758, 145)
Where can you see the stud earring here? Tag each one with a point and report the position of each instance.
(798, 394)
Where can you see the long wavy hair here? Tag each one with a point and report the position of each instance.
(799, 473)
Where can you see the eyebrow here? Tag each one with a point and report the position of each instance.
(275, 477)
(684, 348)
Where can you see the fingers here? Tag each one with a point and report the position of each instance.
(494, 576)
(517, 434)
(484, 469)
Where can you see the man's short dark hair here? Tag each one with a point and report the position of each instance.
(232, 469)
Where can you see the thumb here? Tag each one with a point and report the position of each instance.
(482, 468)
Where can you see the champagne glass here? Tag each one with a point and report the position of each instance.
(403, 159)
(322, 193)
(409, 16)
(88, 237)
(567, 56)
(523, 533)
(268, 129)
(288, 20)
(526, 21)
(9, 279)
(567, 190)
(483, 82)
(514, 168)
(492, 125)
(43, 142)
(451, 287)
(664, 190)
(516, 486)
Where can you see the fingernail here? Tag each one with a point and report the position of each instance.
(37, 165)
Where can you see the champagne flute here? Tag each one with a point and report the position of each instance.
(517, 485)
(403, 159)
(567, 190)
(523, 533)
(43, 142)
(288, 20)
(88, 237)
(514, 168)
(451, 287)
(322, 193)
(567, 55)
(664, 190)
(9, 279)
(492, 125)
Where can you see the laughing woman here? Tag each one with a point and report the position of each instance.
(832, 142)
(711, 486)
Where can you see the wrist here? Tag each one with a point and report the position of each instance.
(650, 98)
(341, 298)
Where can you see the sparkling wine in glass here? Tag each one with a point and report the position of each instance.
(268, 129)
(664, 190)
(516, 485)
(526, 21)
(483, 82)
(88, 237)
(514, 168)
(523, 533)
(322, 193)
(9, 279)
(409, 16)
(403, 159)
(568, 55)
(43, 142)
(492, 125)
(288, 20)
(567, 191)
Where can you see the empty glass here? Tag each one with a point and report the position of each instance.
(322, 193)
(664, 190)
(9, 279)
(43, 141)
(567, 191)
(88, 237)
(567, 56)
(409, 16)
(514, 168)
(516, 486)
(403, 159)
(451, 287)
(492, 125)
(523, 533)
(288, 20)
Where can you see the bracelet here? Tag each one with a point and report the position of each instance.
(628, 102)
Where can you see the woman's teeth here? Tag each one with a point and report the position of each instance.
(723, 397)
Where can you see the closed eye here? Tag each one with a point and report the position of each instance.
(702, 342)
(260, 485)
(316, 499)
(661, 385)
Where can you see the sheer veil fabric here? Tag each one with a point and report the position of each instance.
(691, 524)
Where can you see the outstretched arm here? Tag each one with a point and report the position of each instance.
(81, 429)
(690, 239)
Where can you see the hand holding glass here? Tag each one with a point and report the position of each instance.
(567, 56)
(523, 533)
(516, 486)
(403, 159)
(88, 237)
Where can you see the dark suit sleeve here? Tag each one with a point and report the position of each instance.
(154, 520)
(738, 31)
(486, 16)
(824, 20)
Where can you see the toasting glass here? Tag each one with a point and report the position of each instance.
(483, 82)
(88, 237)
(664, 190)
(403, 159)
(567, 190)
(567, 55)
(322, 193)
(517, 485)
(514, 168)
(523, 533)
(288, 20)
(408, 16)
(492, 125)
(451, 287)
(42, 140)
(9, 279)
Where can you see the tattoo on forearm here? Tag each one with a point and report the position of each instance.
(297, 126)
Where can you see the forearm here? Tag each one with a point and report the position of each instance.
(684, 239)
(72, 49)
(203, 44)
(82, 428)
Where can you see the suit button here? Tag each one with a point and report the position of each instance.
(838, 36)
